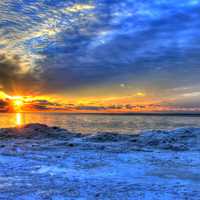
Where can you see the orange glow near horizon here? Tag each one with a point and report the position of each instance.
(139, 102)
(17, 104)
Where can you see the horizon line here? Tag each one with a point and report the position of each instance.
(115, 113)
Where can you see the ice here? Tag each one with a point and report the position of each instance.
(41, 162)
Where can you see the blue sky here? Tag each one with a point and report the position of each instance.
(102, 48)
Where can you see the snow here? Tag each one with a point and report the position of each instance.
(41, 162)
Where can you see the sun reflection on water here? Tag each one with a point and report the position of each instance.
(19, 119)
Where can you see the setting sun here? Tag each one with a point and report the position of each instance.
(17, 104)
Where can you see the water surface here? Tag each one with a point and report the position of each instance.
(86, 123)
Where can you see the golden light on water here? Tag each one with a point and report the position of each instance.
(19, 119)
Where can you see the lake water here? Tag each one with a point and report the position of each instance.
(85, 123)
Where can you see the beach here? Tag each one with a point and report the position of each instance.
(42, 162)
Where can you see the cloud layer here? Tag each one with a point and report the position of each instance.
(66, 46)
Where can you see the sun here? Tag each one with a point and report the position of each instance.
(17, 104)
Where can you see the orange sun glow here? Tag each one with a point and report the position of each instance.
(18, 103)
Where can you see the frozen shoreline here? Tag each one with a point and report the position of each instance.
(41, 162)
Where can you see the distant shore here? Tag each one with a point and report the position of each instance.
(191, 114)
(142, 113)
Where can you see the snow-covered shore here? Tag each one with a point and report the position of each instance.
(41, 162)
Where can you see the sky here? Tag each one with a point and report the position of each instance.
(100, 55)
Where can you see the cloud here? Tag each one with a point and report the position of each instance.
(42, 105)
(151, 43)
(4, 106)
(60, 46)
(192, 94)
(13, 77)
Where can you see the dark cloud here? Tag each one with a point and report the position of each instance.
(90, 108)
(46, 105)
(5, 105)
(13, 78)
(43, 105)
